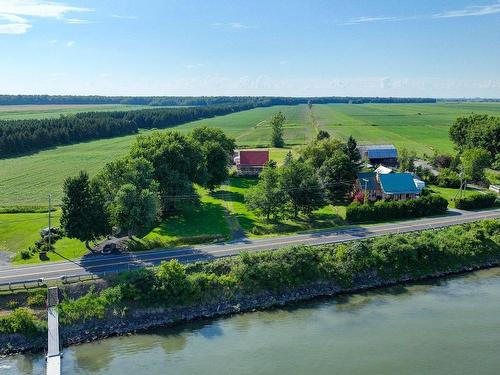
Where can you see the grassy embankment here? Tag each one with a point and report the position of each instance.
(393, 257)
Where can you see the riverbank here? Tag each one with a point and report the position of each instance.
(142, 320)
(258, 281)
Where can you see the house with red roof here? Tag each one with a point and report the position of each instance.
(250, 162)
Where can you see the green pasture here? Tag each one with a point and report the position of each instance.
(28, 179)
(22, 112)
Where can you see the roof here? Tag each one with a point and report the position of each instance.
(254, 157)
(398, 183)
(379, 151)
(383, 170)
(371, 183)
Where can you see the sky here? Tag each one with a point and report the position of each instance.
(424, 48)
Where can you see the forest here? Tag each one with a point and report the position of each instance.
(194, 100)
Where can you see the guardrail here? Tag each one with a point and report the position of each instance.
(65, 279)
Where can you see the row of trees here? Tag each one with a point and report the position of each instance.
(21, 136)
(193, 100)
(324, 172)
(133, 191)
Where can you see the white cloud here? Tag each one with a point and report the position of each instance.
(476, 10)
(77, 21)
(234, 25)
(15, 13)
(71, 43)
(39, 8)
(123, 17)
(13, 24)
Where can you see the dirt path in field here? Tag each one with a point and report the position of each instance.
(313, 120)
(237, 232)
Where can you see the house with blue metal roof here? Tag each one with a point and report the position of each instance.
(395, 186)
(398, 186)
(379, 154)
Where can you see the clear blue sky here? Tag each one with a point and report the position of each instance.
(441, 48)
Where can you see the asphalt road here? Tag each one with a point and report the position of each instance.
(97, 264)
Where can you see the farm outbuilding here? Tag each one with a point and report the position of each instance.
(379, 154)
(250, 162)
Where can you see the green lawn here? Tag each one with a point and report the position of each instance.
(254, 226)
(450, 193)
(195, 221)
(29, 179)
(20, 231)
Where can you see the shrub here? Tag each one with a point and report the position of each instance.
(390, 210)
(37, 298)
(477, 200)
(448, 178)
(25, 254)
(21, 320)
(12, 304)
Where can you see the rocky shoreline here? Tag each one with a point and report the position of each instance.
(143, 319)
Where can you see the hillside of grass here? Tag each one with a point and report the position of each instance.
(421, 127)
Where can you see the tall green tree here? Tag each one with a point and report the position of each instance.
(178, 162)
(353, 152)
(322, 134)
(477, 131)
(116, 173)
(301, 185)
(218, 149)
(277, 122)
(84, 214)
(474, 161)
(337, 176)
(406, 160)
(317, 152)
(267, 197)
(134, 208)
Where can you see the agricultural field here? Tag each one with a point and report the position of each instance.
(420, 127)
(23, 112)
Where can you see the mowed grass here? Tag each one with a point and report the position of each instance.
(20, 231)
(196, 219)
(22, 112)
(420, 127)
(450, 193)
(256, 226)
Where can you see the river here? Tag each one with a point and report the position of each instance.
(448, 326)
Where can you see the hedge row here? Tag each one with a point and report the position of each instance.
(389, 210)
(477, 200)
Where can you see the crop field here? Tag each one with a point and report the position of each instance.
(22, 112)
(423, 128)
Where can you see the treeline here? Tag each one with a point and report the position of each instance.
(194, 100)
(21, 136)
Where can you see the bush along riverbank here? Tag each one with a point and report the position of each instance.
(174, 292)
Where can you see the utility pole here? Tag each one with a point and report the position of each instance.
(50, 217)
(366, 183)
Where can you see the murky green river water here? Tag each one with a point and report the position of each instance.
(450, 326)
